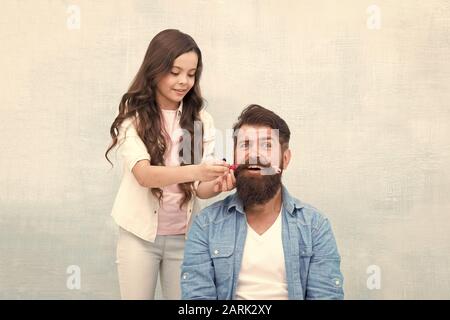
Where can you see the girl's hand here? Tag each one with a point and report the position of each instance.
(225, 183)
(210, 171)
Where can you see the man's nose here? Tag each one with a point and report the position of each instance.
(253, 154)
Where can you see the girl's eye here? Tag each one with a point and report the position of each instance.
(191, 75)
(174, 73)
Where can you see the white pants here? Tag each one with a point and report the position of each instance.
(140, 261)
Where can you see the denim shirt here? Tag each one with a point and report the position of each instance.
(216, 240)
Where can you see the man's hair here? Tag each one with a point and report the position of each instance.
(259, 116)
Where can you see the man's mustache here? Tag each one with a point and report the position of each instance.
(266, 168)
(258, 164)
(249, 163)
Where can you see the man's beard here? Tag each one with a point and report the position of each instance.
(257, 188)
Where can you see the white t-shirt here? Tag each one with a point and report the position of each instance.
(263, 272)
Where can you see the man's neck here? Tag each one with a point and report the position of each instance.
(261, 216)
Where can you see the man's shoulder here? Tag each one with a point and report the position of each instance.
(308, 214)
(219, 211)
(215, 212)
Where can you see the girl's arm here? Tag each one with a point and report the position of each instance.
(226, 182)
(160, 176)
(209, 189)
(206, 190)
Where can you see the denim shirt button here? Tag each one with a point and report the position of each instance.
(185, 275)
(216, 252)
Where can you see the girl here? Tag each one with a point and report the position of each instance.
(156, 135)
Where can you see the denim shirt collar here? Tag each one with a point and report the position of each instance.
(289, 203)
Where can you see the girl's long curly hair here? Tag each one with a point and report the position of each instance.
(164, 48)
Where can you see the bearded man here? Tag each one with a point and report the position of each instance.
(261, 243)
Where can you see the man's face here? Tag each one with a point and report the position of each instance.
(260, 164)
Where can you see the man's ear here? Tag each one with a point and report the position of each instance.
(286, 158)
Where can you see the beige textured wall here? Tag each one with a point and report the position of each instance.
(364, 89)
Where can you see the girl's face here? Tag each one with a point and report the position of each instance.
(173, 86)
